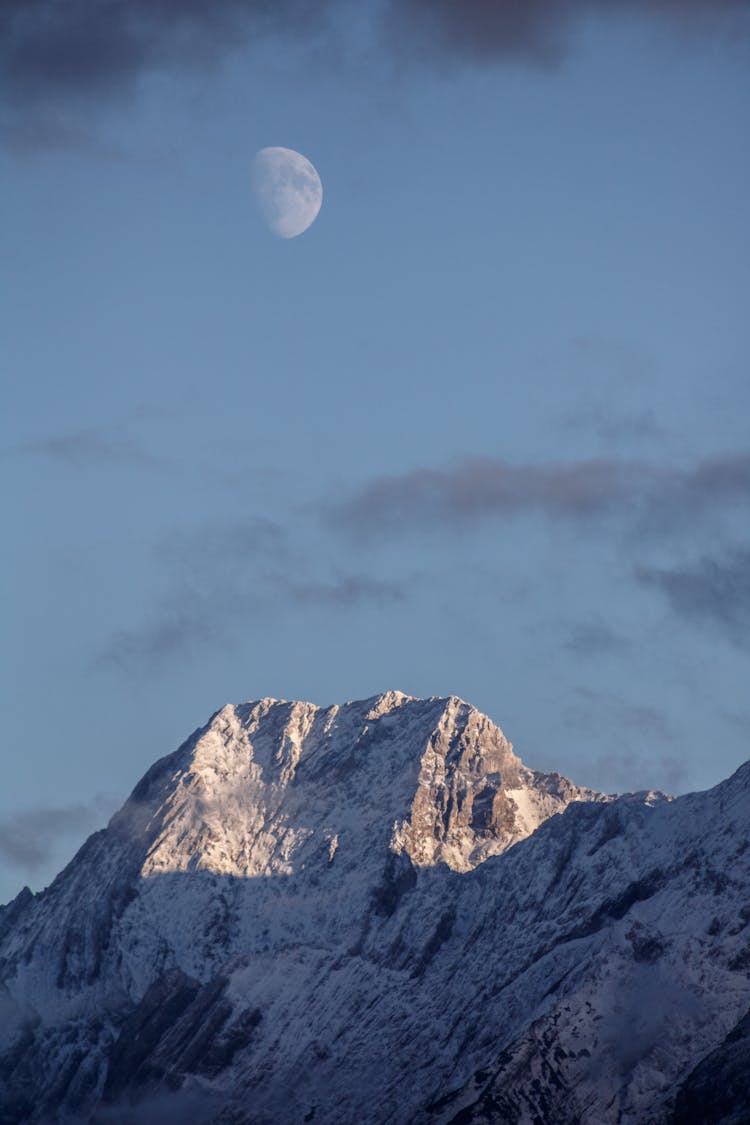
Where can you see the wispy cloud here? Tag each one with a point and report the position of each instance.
(48, 132)
(591, 709)
(184, 626)
(536, 31)
(343, 591)
(625, 769)
(227, 544)
(714, 591)
(29, 839)
(651, 495)
(595, 638)
(86, 447)
(637, 742)
(613, 429)
(110, 441)
(173, 630)
(212, 584)
(222, 579)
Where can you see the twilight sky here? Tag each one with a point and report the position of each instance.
(482, 430)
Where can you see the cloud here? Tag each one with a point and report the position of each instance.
(715, 591)
(62, 61)
(52, 49)
(222, 579)
(173, 630)
(29, 839)
(49, 133)
(164, 1108)
(633, 736)
(595, 638)
(211, 575)
(227, 546)
(57, 52)
(480, 489)
(94, 445)
(86, 447)
(596, 709)
(536, 31)
(624, 769)
(613, 430)
(217, 618)
(345, 591)
(652, 999)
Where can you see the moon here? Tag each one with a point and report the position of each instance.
(287, 189)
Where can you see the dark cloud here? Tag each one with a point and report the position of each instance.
(174, 630)
(53, 48)
(31, 838)
(612, 429)
(715, 591)
(65, 51)
(62, 60)
(653, 496)
(110, 441)
(537, 31)
(24, 137)
(478, 488)
(346, 591)
(595, 638)
(86, 447)
(227, 546)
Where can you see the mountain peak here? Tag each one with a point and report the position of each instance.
(386, 702)
(320, 912)
(265, 784)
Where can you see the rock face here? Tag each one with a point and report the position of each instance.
(372, 913)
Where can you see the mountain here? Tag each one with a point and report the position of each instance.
(376, 913)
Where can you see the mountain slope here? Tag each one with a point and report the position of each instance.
(371, 913)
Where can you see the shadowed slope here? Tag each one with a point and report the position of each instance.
(320, 912)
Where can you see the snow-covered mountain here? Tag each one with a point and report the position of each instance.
(372, 913)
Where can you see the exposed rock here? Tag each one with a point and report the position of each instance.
(372, 913)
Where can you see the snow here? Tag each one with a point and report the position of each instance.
(399, 915)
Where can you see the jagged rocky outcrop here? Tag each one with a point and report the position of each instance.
(373, 913)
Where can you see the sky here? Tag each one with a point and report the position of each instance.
(481, 430)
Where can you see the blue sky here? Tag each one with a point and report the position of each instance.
(482, 429)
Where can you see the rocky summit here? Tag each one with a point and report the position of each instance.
(376, 913)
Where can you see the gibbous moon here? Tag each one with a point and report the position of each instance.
(288, 190)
